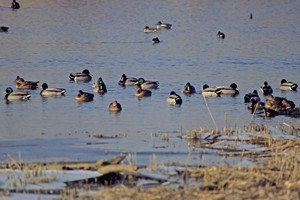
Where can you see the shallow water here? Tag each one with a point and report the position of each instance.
(47, 40)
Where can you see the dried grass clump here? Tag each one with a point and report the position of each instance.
(276, 176)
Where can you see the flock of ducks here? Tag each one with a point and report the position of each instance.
(272, 106)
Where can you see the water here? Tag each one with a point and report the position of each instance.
(47, 40)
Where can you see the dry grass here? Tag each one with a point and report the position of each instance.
(276, 176)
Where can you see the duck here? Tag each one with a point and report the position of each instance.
(10, 95)
(266, 89)
(251, 16)
(83, 76)
(231, 90)
(255, 105)
(142, 92)
(161, 25)
(155, 40)
(99, 86)
(115, 106)
(46, 91)
(174, 98)
(278, 104)
(84, 96)
(188, 89)
(210, 91)
(147, 29)
(15, 5)
(127, 81)
(220, 35)
(251, 95)
(146, 85)
(284, 85)
(22, 84)
(3, 28)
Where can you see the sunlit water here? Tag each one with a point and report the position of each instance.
(47, 40)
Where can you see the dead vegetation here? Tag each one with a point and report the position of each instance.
(275, 175)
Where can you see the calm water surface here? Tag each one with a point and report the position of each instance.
(47, 40)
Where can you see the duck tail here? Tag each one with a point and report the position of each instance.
(219, 92)
(72, 77)
(294, 87)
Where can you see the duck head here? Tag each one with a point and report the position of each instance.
(172, 93)
(8, 90)
(205, 86)
(86, 71)
(140, 81)
(234, 86)
(45, 86)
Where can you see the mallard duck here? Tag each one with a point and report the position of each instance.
(146, 85)
(142, 92)
(210, 91)
(161, 25)
(249, 96)
(147, 29)
(220, 35)
(115, 107)
(255, 105)
(174, 98)
(15, 5)
(188, 89)
(155, 40)
(288, 85)
(127, 81)
(231, 90)
(99, 86)
(3, 28)
(84, 96)
(83, 76)
(22, 84)
(10, 95)
(266, 89)
(278, 104)
(46, 91)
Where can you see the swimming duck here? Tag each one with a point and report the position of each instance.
(10, 95)
(147, 29)
(155, 40)
(99, 86)
(83, 76)
(22, 84)
(115, 107)
(221, 35)
(15, 5)
(174, 98)
(255, 105)
(142, 92)
(249, 96)
(3, 28)
(146, 85)
(278, 104)
(231, 90)
(84, 96)
(188, 89)
(288, 85)
(127, 81)
(161, 25)
(210, 91)
(46, 91)
(266, 89)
